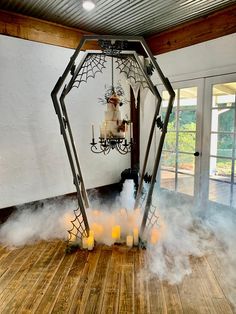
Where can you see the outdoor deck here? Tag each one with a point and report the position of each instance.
(41, 278)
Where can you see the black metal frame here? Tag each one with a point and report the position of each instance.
(60, 108)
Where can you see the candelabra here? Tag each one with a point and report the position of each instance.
(106, 144)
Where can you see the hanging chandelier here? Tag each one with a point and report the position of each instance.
(106, 144)
(115, 133)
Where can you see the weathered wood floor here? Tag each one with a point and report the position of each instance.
(42, 279)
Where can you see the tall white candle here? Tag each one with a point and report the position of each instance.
(90, 242)
(135, 234)
(129, 240)
(131, 129)
(85, 242)
(116, 230)
(100, 131)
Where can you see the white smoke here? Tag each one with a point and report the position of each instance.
(34, 222)
(184, 232)
(50, 219)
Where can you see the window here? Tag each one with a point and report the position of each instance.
(178, 161)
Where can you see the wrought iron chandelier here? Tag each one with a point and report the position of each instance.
(114, 131)
(105, 145)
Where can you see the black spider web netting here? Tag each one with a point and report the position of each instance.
(95, 63)
(153, 217)
(129, 66)
(78, 229)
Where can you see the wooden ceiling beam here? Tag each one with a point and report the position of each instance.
(33, 29)
(209, 27)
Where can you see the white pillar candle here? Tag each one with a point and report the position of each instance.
(90, 242)
(84, 242)
(115, 233)
(118, 230)
(129, 240)
(155, 235)
(136, 236)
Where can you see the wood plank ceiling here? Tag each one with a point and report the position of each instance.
(166, 25)
(126, 17)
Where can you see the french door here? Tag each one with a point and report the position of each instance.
(199, 154)
(181, 155)
(219, 141)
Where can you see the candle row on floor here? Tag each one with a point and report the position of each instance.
(132, 239)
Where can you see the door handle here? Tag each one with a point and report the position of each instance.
(196, 154)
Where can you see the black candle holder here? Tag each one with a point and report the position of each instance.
(105, 145)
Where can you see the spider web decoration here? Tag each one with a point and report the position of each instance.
(93, 64)
(152, 219)
(142, 199)
(129, 66)
(78, 229)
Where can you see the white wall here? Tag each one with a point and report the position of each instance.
(33, 159)
(214, 57)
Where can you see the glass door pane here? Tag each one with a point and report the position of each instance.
(222, 144)
(178, 161)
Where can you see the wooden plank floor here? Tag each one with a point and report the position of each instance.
(41, 278)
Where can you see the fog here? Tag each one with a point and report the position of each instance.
(184, 231)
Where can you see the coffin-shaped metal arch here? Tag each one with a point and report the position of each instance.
(80, 225)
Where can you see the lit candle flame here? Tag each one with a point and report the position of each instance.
(155, 235)
(136, 236)
(116, 231)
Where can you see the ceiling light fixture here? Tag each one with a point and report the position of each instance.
(88, 5)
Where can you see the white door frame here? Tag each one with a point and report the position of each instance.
(209, 82)
(199, 83)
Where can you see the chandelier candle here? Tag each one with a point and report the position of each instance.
(92, 131)
(131, 130)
